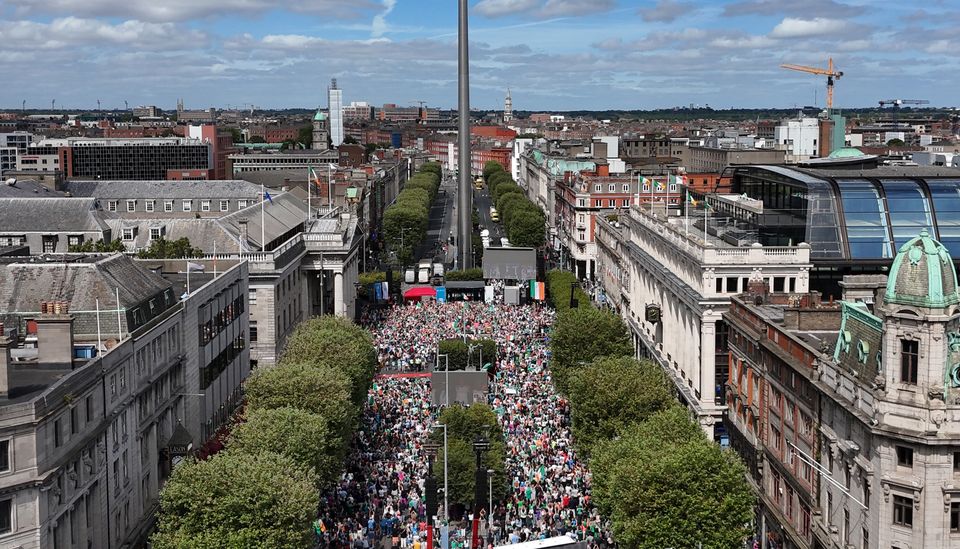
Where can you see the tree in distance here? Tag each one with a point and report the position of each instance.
(614, 393)
(237, 500)
(162, 248)
(663, 484)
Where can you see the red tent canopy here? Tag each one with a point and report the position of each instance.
(421, 291)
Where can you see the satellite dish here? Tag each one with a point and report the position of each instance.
(110, 343)
(11, 181)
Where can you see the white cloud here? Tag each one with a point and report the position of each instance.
(379, 25)
(499, 8)
(792, 27)
(75, 31)
(543, 10)
(666, 11)
(742, 42)
(182, 10)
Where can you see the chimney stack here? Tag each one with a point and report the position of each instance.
(5, 364)
(55, 333)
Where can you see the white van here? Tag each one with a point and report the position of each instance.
(409, 276)
(423, 271)
(438, 269)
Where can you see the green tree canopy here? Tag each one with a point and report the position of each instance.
(558, 290)
(305, 136)
(490, 168)
(237, 500)
(583, 335)
(474, 273)
(307, 438)
(464, 424)
(162, 248)
(504, 188)
(322, 391)
(663, 484)
(89, 246)
(614, 393)
(526, 230)
(337, 343)
(459, 355)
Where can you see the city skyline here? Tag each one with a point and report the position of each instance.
(552, 54)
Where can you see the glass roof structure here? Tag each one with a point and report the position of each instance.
(851, 215)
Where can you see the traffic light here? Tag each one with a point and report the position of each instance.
(430, 496)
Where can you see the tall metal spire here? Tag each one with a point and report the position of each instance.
(465, 202)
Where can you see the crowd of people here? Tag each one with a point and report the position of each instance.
(379, 501)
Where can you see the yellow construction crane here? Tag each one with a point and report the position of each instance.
(830, 72)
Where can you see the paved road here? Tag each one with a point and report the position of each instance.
(438, 229)
(482, 201)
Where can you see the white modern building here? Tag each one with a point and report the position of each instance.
(335, 108)
(798, 136)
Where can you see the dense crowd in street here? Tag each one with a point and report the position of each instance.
(379, 500)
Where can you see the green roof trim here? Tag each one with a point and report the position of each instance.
(846, 152)
(923, 275)
(319, 116)
(856, 312)
(352, 192)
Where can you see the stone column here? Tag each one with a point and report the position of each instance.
(708, 368)
(339, 307)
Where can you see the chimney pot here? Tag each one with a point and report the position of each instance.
(5, 364)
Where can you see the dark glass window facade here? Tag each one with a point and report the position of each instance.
(945, 195)
(909, 210)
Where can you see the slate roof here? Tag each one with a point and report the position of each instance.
(25, 282)
(27, 188)
(285, 212)
(49, 215)
(158, 190)
(203, 232)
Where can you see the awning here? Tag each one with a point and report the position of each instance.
(421, 291)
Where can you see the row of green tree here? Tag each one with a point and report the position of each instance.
(525, 221)
(262, 491)
(159, 248)
(405, 221)
(656, 476)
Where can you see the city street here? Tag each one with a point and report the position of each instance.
(382, 492)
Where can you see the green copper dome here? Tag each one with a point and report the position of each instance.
(319, 116)
(923, 275)
(846, 152)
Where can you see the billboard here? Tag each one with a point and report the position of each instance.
(466, 387)
(510, 263)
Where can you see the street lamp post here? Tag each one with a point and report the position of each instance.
(446, 375)
(480, 445)
(490, 505)
(446, 509)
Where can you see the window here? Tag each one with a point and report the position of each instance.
(57, 440)
(89, 407)
(49, 243)
(253, 330)
(867, 229)
(127, 234)
(909, 360)
(956, 463)
(5, 456)
(187, 205)
(864, 538)
(149, 205)
(581, 203)
(154, 233)
(903, 511)
(112, 205)
(846, 528)
(113, 385)
(224, 205)
(611, 187)
(241, 204)
(131, 205)
(168, 206)
(598, 188)
(74, 420)
(204, 205)
(6, 516)
(955, 517)
(904, 456)
(626, 187)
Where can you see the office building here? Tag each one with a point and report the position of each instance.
(97, 408)
(335, 110)
(358, 110)
(119, 159)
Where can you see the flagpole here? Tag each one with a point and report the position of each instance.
(686, 215)
(119, 326)
(214, 259)
(188, 277)
(309, 169)
(263, 217)
(99, 338)
(330, 186)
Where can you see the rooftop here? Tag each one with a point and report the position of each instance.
(228, 188)
(53, 214)
(26, 188)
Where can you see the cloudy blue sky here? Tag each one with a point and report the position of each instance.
(553, 54)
